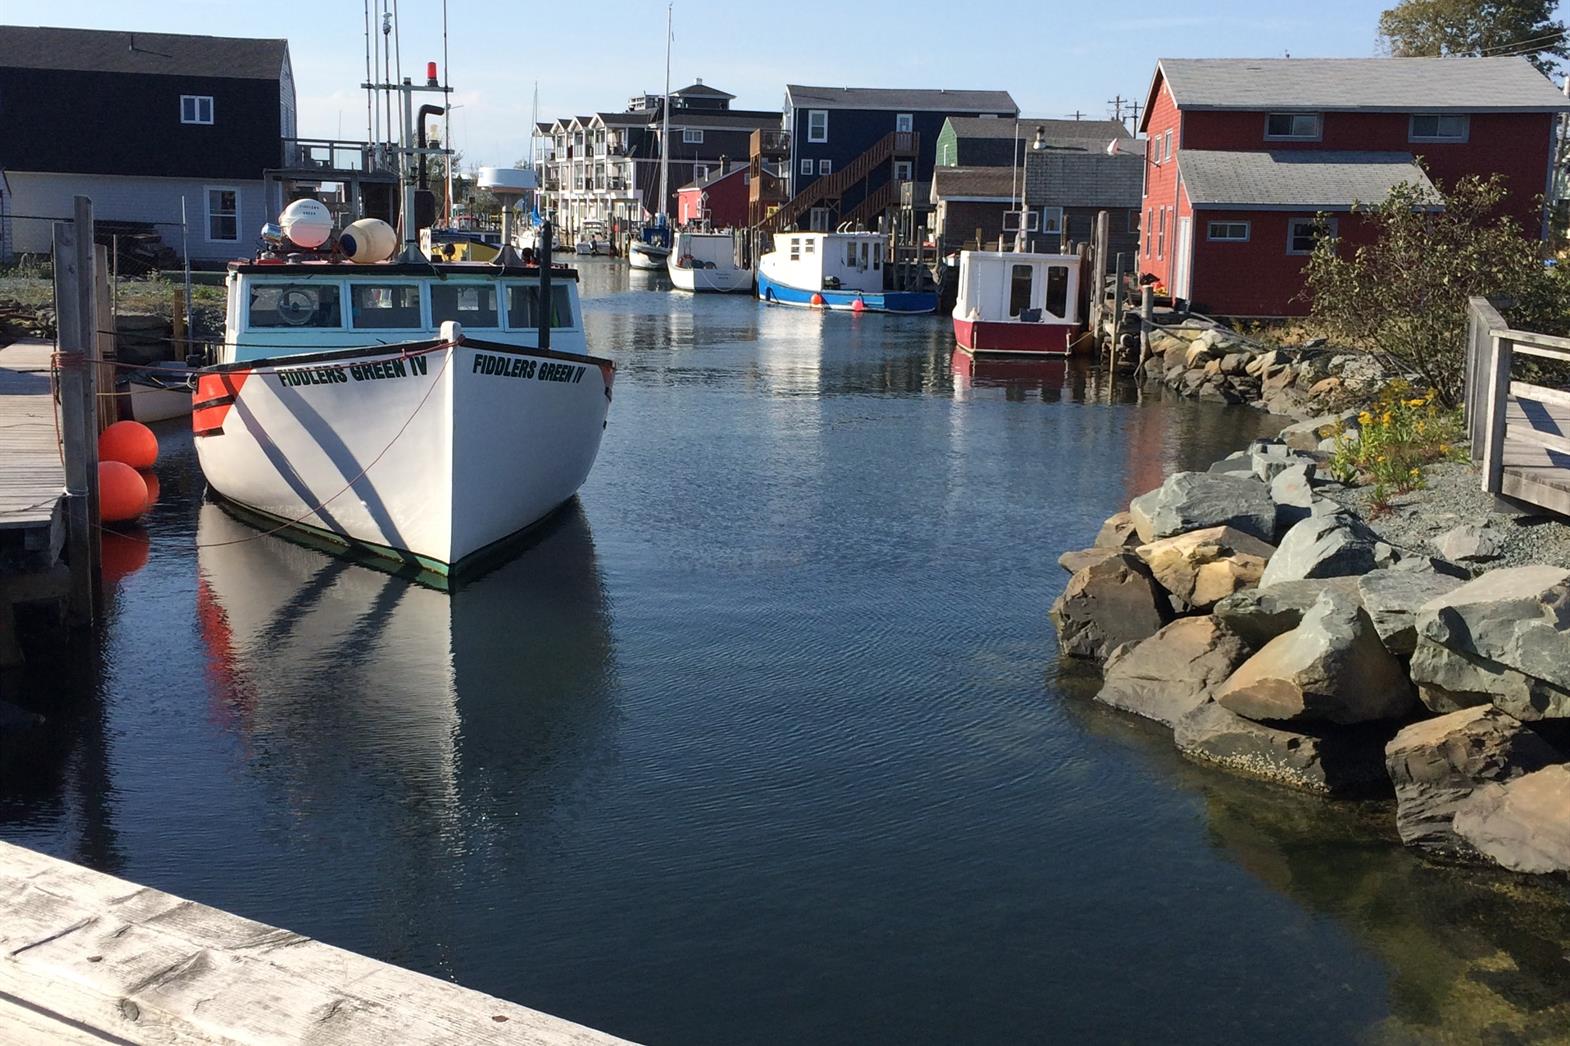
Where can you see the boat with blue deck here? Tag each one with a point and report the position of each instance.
(838, 271)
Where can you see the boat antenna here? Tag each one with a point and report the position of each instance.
(665, 113)
(447, 114)
(370, 78)
(1017, 190)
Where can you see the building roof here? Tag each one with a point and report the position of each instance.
(1505, 84)
(703, 89)
(1296, 179)
(1000, 127)
(166, 54)
(988, 183)
(622, 119)
(1080, 177)
(900, 99)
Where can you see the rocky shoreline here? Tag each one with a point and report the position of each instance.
(1281, 635)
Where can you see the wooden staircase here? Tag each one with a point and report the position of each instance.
(831, 187)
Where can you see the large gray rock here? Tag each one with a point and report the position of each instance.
(1259, 615)
(1468, 543)
(1340, 762)
(1448, 680)
(1201, 567)
(1330, 668)
(1240, 461)
(1117, 532)
(1270, 460)
(1435, 764)
(1107, 604)
(1196, 500)
(1307, 435)
(1517, 617)
(1078, 559)
(1392, 595)
(1174, 670)
(1333, 545)
(1292, 489)
(1521, 824)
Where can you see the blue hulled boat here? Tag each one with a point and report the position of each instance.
(840, 271)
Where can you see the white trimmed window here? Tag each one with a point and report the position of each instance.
(1303, 234)
(817, 125)
(1228, 232)
(806, 166)
(902, 170)
(196, 108)
(1161, 233)
(1167, 138)
(904, 122)
(692, 136)
(223, 214)
(1303, 127)
(825, 167)
(1052, 221)
(1438, 127)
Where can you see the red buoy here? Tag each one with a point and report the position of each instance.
(858, 305)
(122, 495)
(816, 299)
(130, 443)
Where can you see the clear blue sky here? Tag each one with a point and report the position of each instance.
(1054, 57)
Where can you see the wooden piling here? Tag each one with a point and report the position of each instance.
(1147, 315)
(1117, 305)
(108, 404)
(76, 319)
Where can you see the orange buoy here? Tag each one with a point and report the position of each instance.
(130, 443)
(817, 299)
(122, 495)
(858, 305)
(124, 553)
(151, 479)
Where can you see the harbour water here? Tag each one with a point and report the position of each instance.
(764, 740)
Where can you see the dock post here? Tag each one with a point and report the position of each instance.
(1117, 305)
(108, 405)
(1098, 268)
(1147, 315)
(547, 235)
(76, 308)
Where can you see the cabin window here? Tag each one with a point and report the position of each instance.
(818, 219)
(806, 167)
(1057, 291)
(902, 172)
(523, 306)
(471, 304)
(850, 254)
(1304, 233)
(877, 260)
(377, 306)
(1234, 232)
(809, 246)
(904, 122)
(196, 108)
(294, 305)
(825, 167)
(1438, 127)
(223, 214)
(795, 248)
(692, 136)
(817, 125)
(1019, 289)
(1300, 126)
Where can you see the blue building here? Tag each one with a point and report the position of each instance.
(832, 127)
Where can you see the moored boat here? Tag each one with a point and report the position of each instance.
(839, 271)
(648, 251)
(1013, 303)
(706, 262)
(592, 238)
(160, 392)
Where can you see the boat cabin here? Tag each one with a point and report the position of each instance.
(848, 261)
(1008, 286)
(706, 250)
(280, 308)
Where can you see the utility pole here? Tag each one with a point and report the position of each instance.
(1134, 111)
(1078, 115)
(1117, 107)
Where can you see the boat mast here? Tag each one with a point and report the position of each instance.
(665, 113)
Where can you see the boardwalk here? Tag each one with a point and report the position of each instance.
(33, 478)
(1536, 465)
(86, 957)
(1520, 431)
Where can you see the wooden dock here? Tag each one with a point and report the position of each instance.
(89, 958)
(32, 489)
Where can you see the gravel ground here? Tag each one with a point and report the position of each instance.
(1453, 496)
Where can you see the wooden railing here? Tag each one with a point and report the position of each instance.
(833, 186)
(769, 144)
(1517, 428)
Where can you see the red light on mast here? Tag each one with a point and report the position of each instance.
(430, 73)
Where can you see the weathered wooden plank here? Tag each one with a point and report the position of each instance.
(1496, 393)
(33, 478)
(147, 966)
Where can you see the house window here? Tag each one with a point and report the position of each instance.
(1234, 232)
(806, 167)
(1019, 290)
(1300, 126)
(817, 125)
(1052, 221)
(1153, 150)
(818, 219)
(902, 172)
(223, 215)
(692, 136)
(1167, 139)
(1161, 233)
(1057, 291)
(196, 108)
(1150, 224)
(825, 167)
(1438, 127)
(904, 122)
(1303, 233)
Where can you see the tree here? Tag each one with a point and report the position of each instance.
(1436, 28)
(1403, 296)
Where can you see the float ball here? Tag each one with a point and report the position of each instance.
(130, 443)
(858, 306)
(121, 493)
(817, 299)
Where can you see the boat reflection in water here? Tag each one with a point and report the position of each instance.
(1018, 376)
(384, 707)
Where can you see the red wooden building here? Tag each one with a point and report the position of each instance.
(719, 199)
(1243, 153)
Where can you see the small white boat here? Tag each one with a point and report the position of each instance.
(706, 262)
(644, 255)
(1015, 303)
(159, 393)
(836, 271)
(592, 239)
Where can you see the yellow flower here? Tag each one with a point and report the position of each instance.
(1415, 472)
(1365, 418)
(1415, 403)
(1386, 419)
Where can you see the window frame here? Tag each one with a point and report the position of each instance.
(825, 168)
(1161, 233)
(1413, 136)
(1211, 237)
(1317, 135)
(822, 135)
(423, 306)
(692, 136)
(283, 284)
(1046, 225)
(909, 169)
(807, 166)
(196, 101)
(1293, 223)
(905, 122)
(1167, 147)
(207, 210)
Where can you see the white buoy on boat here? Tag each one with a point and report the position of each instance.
(307, 223)
(368, 240)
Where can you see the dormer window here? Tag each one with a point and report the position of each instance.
(1438, 127)
(196, 108)
(1292, 127)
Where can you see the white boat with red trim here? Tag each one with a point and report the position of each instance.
(1014, 303)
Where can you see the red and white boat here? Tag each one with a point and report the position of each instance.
(1013, 303)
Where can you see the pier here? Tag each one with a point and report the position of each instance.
(86, 957)
(32, 487)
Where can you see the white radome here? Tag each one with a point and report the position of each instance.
(307, 223)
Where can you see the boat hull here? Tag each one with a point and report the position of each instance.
(709, 281)
(1005, 338)
(425, 458)
(647, 256)
(900, 302)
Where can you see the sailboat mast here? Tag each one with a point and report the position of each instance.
(665, 124)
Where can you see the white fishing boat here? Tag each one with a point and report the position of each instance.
(706, 262)
(592, 238)
(647, 252)
(159, 393)
(651, 247)
(417, 413)
(1015, 303)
